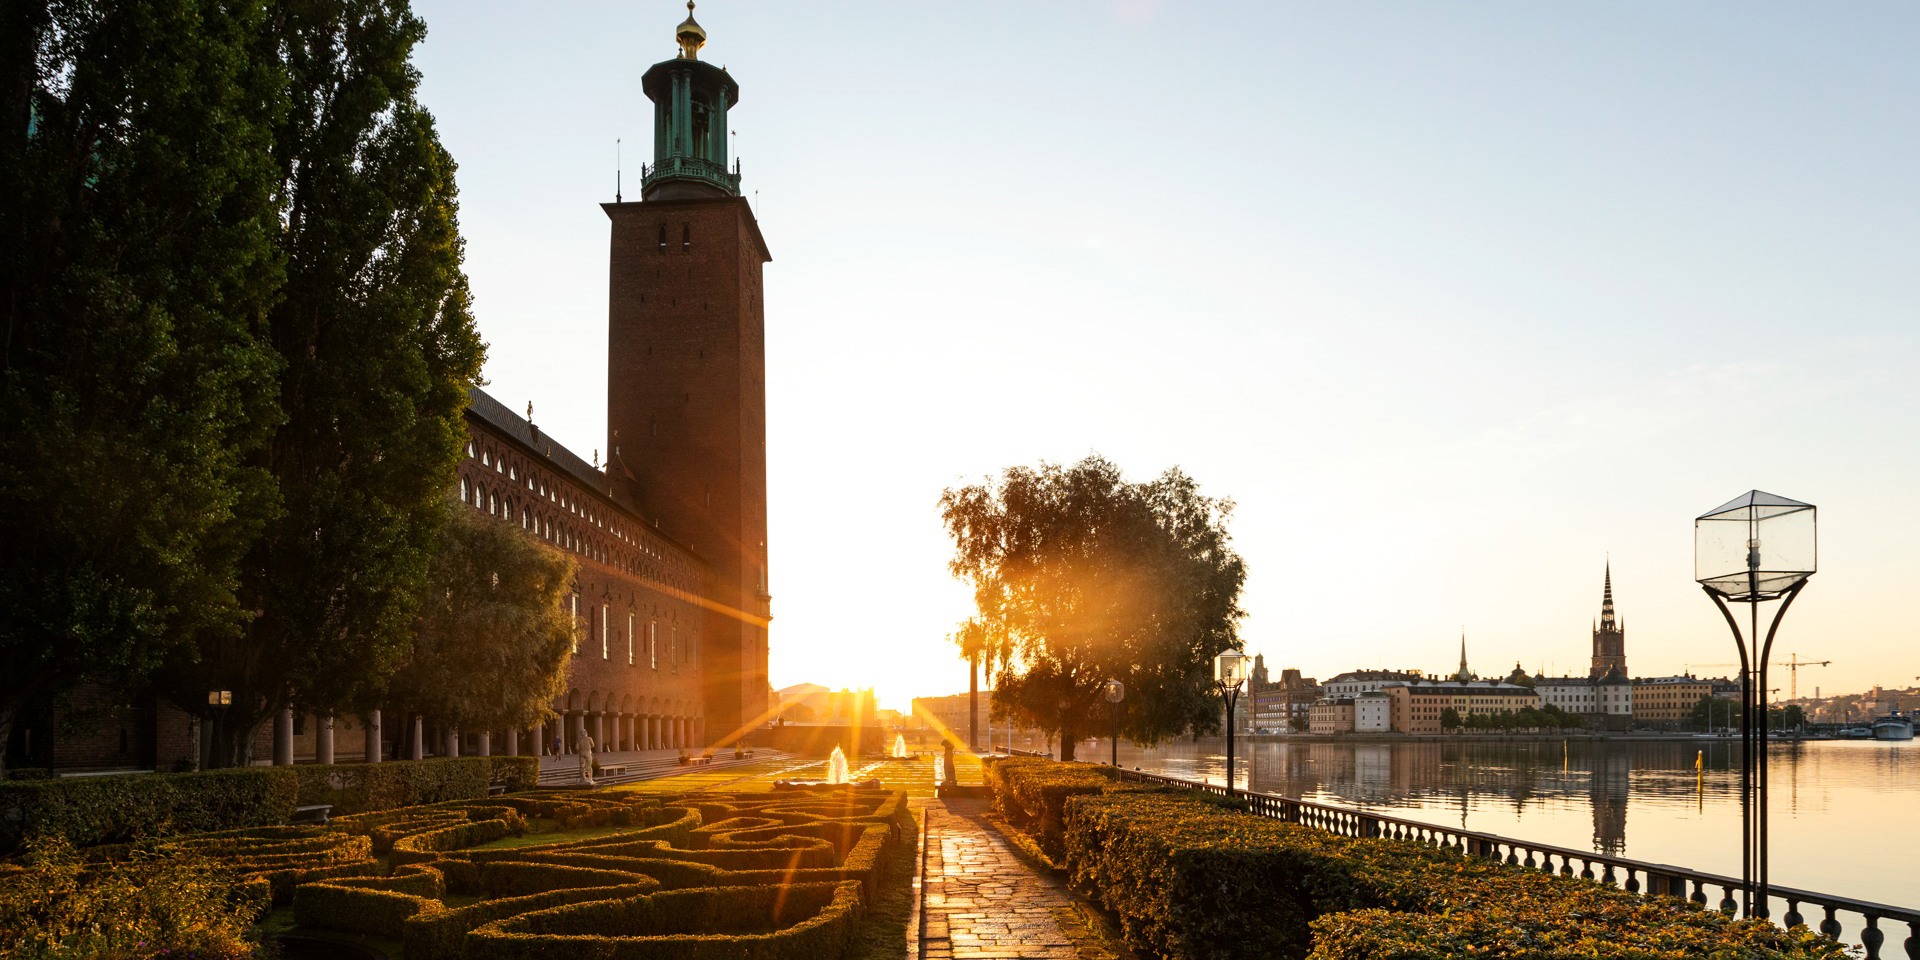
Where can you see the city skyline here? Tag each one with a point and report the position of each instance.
(1454, 303)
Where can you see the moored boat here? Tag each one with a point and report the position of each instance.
(1893, 726)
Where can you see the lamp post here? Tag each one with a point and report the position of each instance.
(1115, 691)
(219, 700)
(1229, 672)
(1754, 548)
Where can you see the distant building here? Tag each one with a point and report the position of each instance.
(1667, 702)
(1356, 682)
(1331, 715)
(1373, 712)
(1417, 707)
(1275, 705)
(940, 717)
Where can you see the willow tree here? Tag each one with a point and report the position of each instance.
(1080, 576)
(136, 384)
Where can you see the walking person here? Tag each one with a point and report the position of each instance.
(586, 756)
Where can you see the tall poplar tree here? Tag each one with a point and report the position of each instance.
(1080, 576)
(136, 384)
(378, 350)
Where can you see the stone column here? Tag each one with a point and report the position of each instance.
(417, 739)
(373, 737)
(323, 741)
(486, 743)
(653, 731)
(600, 730)
(513, 741)
(452, 747)
(539, 740)
(283, 738)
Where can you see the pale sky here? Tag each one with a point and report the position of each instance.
(1453, 299)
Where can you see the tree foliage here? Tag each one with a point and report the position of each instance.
(378, 349)
(136, 386)
(494, 634)
(1080, 576)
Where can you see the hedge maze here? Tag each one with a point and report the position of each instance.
(761, 875)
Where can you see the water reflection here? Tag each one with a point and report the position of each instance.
(1841, 810)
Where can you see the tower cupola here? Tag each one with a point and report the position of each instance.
(691, 98)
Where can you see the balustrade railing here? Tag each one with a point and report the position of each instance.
(690, 168)
(1857, 922)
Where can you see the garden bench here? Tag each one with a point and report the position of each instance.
(496, 789)
(613, 769)
(312, 813)
(703, 760)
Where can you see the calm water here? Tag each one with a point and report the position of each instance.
(1845, 814)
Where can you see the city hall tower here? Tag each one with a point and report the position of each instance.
(686, 371)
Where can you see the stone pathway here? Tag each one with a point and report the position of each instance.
(979, 901)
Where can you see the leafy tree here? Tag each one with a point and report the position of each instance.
(1449, 719)
(494, 634)
(378, 350)
(1080, 576)
(137, 386)
(1715, 713)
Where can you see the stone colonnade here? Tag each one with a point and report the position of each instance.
(612, 731)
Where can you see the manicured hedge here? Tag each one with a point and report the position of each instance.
(114, 809)
(1190, 877)
(359, 909)
(359, 787)
(441, 936)
(1659, 928)
(809, 921)
(515, 773)
(1030, 793)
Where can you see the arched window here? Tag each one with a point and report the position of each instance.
(469, 449)
(686, 237)
(466, 491)
(486, 457)
(629, 638)
(606, 635)
(653, 649)
(573, 606)
(663, 238)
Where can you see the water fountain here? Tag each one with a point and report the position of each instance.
(837, 766)
(900, 746)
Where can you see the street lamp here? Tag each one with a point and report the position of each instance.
(219, 700)
(1115, 691)
(1754, 548)
(1229, 672)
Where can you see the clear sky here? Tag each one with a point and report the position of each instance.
(1453, 299)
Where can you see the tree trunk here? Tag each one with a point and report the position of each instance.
(973, 702)
(6, 738)
(1066, 745)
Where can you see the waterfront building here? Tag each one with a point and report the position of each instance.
(937, 717)
(1331, 715)
(1417, 706)
(1667, 702)
(1373, 712)
(1356, 682)
(1278, 704)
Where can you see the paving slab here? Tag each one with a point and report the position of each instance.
(978, 900)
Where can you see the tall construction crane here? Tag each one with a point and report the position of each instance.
(1793, 665)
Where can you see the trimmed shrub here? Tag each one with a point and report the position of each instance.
(1190, 876)
(440, 936)
(358, 909)
(421, 847)
(510, 878)
(92, 810)
(515, 773)
(361, 787)
(1030, 793)
(1660, 928)
(802, 922)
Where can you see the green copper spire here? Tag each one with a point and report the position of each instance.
(690, 102)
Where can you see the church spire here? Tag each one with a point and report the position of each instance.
(1464, 676)
(1606, 600)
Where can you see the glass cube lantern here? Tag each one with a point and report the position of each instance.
(1754, 547)
(1114, 691)
(1230, 668)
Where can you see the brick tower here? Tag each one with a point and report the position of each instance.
(686, 372)
(1609, 636)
